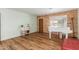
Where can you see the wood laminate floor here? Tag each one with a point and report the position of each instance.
(34, 41)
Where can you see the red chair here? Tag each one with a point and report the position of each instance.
(70, 44)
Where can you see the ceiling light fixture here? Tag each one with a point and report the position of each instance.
(50, 8)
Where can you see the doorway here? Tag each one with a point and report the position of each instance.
(40, 25)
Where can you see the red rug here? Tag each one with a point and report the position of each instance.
(71, 44)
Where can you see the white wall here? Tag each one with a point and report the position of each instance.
(11, 21)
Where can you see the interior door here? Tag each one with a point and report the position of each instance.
(40, 25)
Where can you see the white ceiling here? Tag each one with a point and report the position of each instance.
(41, 11)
